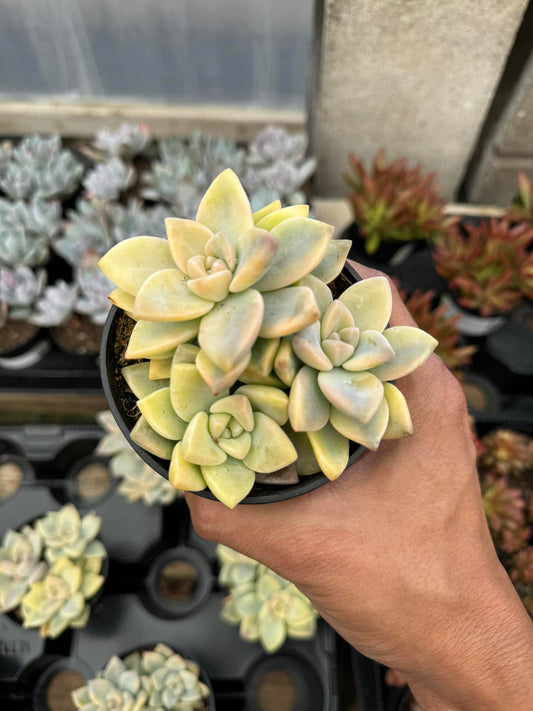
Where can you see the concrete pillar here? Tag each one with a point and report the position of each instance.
(415, 77)
(508, 149)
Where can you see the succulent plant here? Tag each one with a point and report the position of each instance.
(395, 203)
(438, 323)
(20, 566)
(54, 305)
(228, 312)
(93, 291)
(273, 168)
(126, 141)
(341, 393)
(490, 267)
(84, 232)
(58, 600)
(26, 230)
(235, 568)
(507, 453)
(505, 511)
(267, 607)
(133, 219)
(115, 687)
(66, 535)
(20, 289)
(40, 167)
(138, 482)
(108, 180)
(157, 679)
(276, 168)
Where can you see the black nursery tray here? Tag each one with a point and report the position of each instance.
(55, 370)
(161, 587)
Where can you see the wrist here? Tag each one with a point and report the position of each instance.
(479, 659)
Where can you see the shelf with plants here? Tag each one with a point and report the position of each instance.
(62, 208)
(161, 582)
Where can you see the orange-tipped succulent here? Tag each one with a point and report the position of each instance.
(490, 268)
(395, 203)
(249, 362)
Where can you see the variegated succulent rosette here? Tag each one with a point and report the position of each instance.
(245, 363)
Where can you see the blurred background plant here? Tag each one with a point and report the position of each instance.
(395, 203)
(489, 266)
(505, 466)
(138, 482)
(437, 321)
(522, 207)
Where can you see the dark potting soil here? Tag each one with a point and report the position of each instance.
(78, 335)
(15, 334)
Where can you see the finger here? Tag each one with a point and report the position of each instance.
(400, 315)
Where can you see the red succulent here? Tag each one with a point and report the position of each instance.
(395, 203)
(490, 268)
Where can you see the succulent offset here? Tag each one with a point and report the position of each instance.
(267, 607)
(138, 482)
(50, 570)
(395, 203)
(251, 363)
(157, 679)
(490, 266)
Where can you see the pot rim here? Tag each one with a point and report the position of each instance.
(275, 493)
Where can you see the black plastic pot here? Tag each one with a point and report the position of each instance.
(113, 384)
(410, 262)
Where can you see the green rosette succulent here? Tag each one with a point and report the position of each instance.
(65, 534)
(225, 440)
(267, 607)
(116, 687)
(342, 393)
(59, 600)
(155, 680)
(20, 566)
(226, 278)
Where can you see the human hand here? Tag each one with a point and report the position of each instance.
(396, 554)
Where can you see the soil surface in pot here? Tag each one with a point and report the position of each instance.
(78, 335)
(60, 688)
(15, 334)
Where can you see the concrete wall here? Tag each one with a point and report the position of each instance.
(509, 148)
(414, 76)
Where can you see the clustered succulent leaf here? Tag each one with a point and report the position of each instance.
(138, 482)
(40, 167)
(489, 266)
(50, 570)
(108, 180)
(437, 321)
(273, 168)
(395, 203)
(247, 347)
(267, 608)
(505, 465)
(154, 680)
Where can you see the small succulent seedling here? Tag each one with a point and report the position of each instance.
(157, 679)
(267, 607)
(20, 566)
(248, 351)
